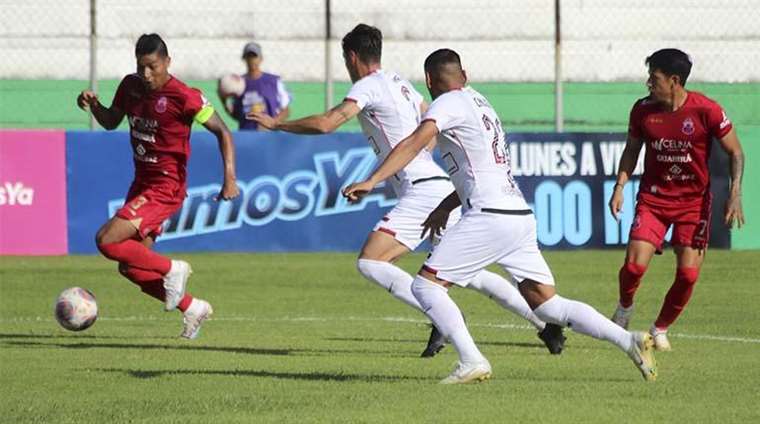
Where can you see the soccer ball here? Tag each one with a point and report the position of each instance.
(231, 85)
(76, 309)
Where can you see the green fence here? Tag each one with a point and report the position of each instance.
(522, 107)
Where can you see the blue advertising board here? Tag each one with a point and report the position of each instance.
(568, 179)
(290, 191)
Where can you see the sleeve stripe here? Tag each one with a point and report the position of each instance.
(283, 97)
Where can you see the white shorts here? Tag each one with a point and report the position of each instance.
(480, 239)
(404, 221)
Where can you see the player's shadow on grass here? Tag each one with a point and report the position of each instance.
(70, 336)
(34, 336)
(224, 349)
(530, 379)
(308, 376)
(193, 347)
(537, 345)
(337, 351)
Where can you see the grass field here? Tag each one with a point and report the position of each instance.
(302, 338)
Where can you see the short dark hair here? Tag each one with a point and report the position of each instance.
(671, 62)
(440, 58)
(149, 44)
(366, 41)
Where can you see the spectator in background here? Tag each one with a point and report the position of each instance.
(264, 92)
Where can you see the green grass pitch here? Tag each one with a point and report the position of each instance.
(303, 338)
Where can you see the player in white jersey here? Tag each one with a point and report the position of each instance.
(389, 109)
(496, 225)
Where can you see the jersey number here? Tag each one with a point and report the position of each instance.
(499, 154)
(701, 228)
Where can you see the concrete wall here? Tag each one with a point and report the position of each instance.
(499, 40)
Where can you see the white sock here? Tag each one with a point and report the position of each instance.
(583, 319)
(447, 317)
(391, 278)
(505, 294)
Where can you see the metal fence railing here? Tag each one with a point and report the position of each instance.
(499, 40)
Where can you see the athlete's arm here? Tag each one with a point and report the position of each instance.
(431, 145)
(216, 126)
(108, 118)
(438, 218)
(730, 144)
(451, 202)
(625, 170)
(314, 124)
(399, 157)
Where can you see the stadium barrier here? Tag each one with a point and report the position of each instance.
(290, 199)
(290, 191)
(32, 193)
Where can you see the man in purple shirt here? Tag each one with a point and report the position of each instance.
(264, 92)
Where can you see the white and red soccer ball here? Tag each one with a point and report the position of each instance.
(76, 309)
(231, 85)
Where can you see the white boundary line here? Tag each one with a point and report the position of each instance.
(355, 318)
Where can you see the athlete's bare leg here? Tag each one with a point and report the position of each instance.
(640, 252)
(689, 257)
(381, 246)
(116, 230)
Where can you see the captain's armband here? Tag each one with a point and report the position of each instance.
(204, 114)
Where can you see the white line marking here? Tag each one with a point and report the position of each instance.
(355, 318)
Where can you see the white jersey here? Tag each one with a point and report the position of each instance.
(390, 112)
(473, 148)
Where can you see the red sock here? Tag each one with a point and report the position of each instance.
(629, 278)
(152, 284)
(678, 296)
(185, 302)
(135, 254)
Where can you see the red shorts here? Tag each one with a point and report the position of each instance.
(148, 205)
(691, 225)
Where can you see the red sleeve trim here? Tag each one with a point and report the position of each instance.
(724, 132)
(387, 231)
(348, 99)
(430, 270)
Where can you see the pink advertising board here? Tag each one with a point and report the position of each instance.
(33, 193)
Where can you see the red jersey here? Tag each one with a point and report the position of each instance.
(159, 126)
(677, 148)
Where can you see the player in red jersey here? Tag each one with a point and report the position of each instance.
(677, 127)
(161, 110)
